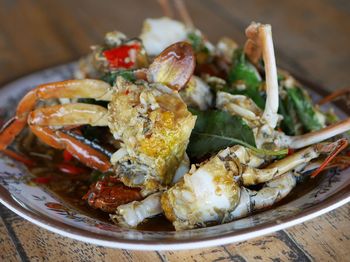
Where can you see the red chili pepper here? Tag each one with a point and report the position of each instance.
(67, 156)
(25, 160)
(290, 151)
(42, 180)
(70, 169)
(119, 57)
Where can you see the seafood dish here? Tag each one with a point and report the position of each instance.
(168, 125)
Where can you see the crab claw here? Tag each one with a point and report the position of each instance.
(109, 193)
(173, 67)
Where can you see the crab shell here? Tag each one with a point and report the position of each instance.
(205, 194)
(154, 124)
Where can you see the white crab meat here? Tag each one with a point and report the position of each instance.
(204, 195)
(132, 214)
(225, 48)
(239, 105)
(157, 34)
(197, 94)
(183, 168)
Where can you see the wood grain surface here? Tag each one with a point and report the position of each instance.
(312, 39)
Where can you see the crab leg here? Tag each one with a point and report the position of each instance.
(271, 108)
(81, 151)
(260, 42)
(277, 188)
(109, 193)
(69, 114)
(40, 119)
(252, 176)
(181, 8)
(272, 192)
(335, 95)
(86, 88)
(313, 137)
(132, 214)
(211, 192)
(164, 4)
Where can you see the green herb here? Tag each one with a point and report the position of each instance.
(197, 42)
(304, 109)
(243, 71)
(280, 77)
(290, 123)
(111, 77)
(216, 130)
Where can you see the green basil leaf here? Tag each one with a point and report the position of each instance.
(216, 130)
(196, 40)
(245, 72)
(111, 77)
(304, 108)
(290, 123)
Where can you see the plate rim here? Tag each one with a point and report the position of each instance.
(334, 201)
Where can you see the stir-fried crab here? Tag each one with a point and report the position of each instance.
(215, 192)
(148, 117)
(147, 90)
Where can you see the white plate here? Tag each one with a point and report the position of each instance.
(44, 209)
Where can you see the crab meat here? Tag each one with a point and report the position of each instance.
(110, 193)
(149, 118)
(159, 33)
(211, 192)
(197, 94)
(133, 213)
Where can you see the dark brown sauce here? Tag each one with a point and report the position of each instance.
(71, 188)
(74, 199)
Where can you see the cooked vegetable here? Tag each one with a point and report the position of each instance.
(290, 123)
(111, 77)
(304, 108)
(245, 79)
(215, 130)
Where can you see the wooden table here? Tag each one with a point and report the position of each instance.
(312, 39)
